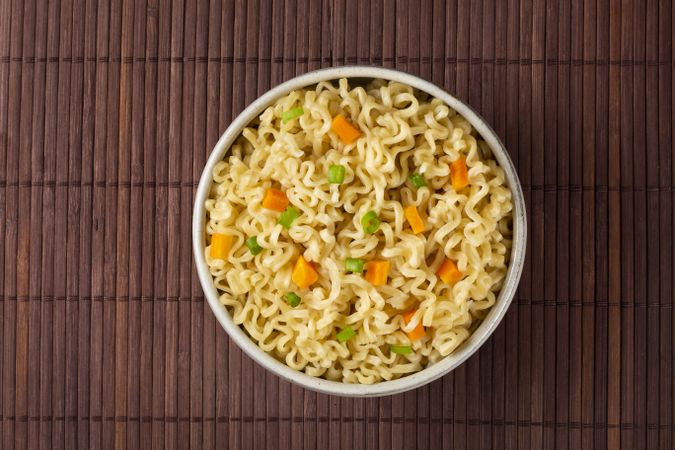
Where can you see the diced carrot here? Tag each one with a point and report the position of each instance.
(347, 132)
(448, 272)
(459, 174)
(275, 200)
(414, 219)
(377, 272)
(220, 245)
(418, 332)
(304, 274)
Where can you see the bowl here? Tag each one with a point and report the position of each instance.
(431, 372)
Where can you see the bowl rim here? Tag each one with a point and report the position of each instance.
(431, 372)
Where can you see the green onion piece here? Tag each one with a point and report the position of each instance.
(417, 180)
(292, 299)
(354, 265)
(336, 174)
(252, 244)
(400, 349)
(370, 222)
(345, 334)
(287, 217)
(291, 114)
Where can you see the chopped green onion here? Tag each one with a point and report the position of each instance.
(354, 265)
(252, 244)
(287, 217)
(370, 222)
(336, 174)
(292, 299)
(291, 114)
(417, 180)
(345, 334)
(400, 349)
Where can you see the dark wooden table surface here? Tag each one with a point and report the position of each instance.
(108, 110)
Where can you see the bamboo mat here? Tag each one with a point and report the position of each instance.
(108, 111)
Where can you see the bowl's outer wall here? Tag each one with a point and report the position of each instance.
(430, 373)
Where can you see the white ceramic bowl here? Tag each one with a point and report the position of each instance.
(432, 372)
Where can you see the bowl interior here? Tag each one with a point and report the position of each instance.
(362, 75)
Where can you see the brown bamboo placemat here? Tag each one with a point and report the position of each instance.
(108, 110)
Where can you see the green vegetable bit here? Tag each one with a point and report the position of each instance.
(287, 217)
(291, 114)
(417, 180)
(336, 174)
(252, 244)
(292, 299)
(354, 265)
(370, 222)
(345, 334)
(400, 349)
